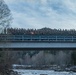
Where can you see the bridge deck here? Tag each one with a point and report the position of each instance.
(32, 45)
(37, 42)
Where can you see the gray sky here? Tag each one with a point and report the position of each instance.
(43, 13)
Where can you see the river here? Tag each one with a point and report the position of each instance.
(42, 72)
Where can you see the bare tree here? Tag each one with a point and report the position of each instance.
(27, 59)
(38, 59)
(5, 19)
(5, 16)
(62, 58)
(49, 59)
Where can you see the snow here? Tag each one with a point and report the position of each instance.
(45, 72)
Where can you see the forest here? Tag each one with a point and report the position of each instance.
(44, 31)
(48, 57)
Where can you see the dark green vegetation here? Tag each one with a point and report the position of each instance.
(43, 31)
(73, 56)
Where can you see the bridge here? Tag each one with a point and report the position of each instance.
(38, 42)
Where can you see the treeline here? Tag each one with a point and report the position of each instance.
(37, 58)
(44, 57)
(45, 30)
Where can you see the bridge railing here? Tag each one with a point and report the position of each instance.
(52, 38)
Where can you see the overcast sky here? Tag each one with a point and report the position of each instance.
(43, 13)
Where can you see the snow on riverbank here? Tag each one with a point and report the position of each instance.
(39, 72)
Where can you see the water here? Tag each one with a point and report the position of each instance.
(43, 72)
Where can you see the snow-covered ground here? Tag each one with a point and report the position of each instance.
(39, 72)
